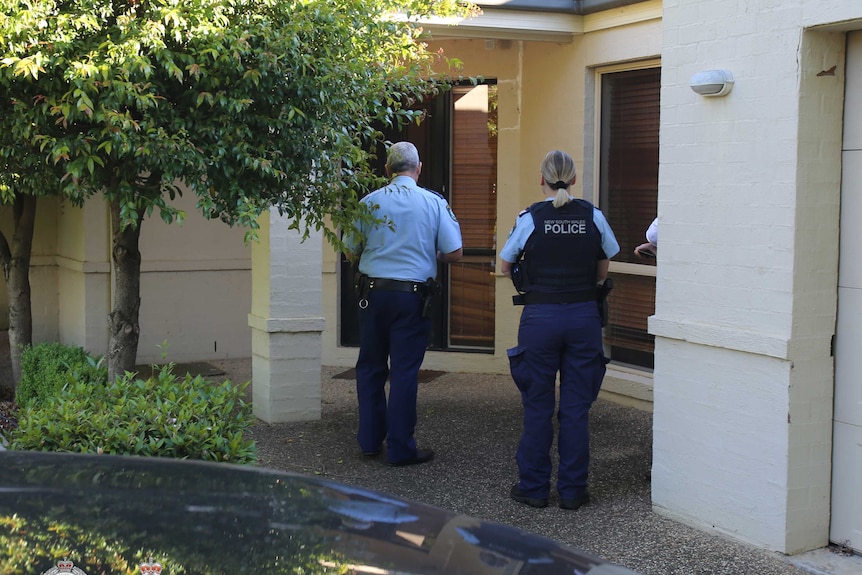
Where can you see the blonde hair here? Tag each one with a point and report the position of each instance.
(558, 169)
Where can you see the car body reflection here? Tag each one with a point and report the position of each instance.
(111, 514)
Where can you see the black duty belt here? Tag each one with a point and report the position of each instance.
(554, 297)
(408, 286)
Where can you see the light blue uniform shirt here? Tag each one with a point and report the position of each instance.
(652, 232)
(422, 224)
(524, 226)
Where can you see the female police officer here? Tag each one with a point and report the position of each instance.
(562, 246)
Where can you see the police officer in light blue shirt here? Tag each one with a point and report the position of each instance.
(566, 245)
(398, 263)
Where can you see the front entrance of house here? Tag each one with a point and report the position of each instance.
(846, 525)
(457, 143)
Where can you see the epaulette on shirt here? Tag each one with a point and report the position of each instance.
(438, 194)
(533, 207)
(523, 212)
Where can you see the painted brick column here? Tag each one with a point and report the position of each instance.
(286, 322)
(749, 191)
(83, 280)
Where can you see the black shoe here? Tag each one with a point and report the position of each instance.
(516, 494)
(373, 452)
(574, 503)
(422, 456)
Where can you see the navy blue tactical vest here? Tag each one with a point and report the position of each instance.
(560, 256)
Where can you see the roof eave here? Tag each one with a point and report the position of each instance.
(549, 26)
(577, 7)
(508, 25)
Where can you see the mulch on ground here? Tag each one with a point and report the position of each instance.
(8, 416)
(425, 375)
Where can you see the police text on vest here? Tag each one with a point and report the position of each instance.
(565, 226)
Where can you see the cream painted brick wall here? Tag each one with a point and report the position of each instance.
(718, 159)
(286, 323)
(719, 468)
(819, 12)
(748, 208)
(297, 399)
(297, 346)
(295, 280)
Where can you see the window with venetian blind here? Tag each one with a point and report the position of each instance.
(629, 199)
(473, 199)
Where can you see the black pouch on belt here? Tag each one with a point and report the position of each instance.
(432, 290)
(602, 292)
(360, 285)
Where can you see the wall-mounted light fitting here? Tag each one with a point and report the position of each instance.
(712, 82)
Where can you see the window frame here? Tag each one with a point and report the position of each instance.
(615, 267)
(633, 357)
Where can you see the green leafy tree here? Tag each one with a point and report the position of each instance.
(247, 104)
(15, 260)
(24, 176)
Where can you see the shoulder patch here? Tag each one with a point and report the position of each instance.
(451, 213)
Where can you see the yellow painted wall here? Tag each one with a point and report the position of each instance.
(83, 264)
(195, 288)
(43, 270)
(195, 282)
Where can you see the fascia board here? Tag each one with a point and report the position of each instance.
(508, 25)
(540, 26)
(580, 7)
(640, 12)
(570, 6)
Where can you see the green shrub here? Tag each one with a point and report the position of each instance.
(47, 367)
(160, 416)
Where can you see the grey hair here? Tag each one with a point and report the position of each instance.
(402, 157)
(558, 166)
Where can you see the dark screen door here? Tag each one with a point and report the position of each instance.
(457, 142)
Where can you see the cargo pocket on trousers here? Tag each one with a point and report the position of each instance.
(600, 374)
(518, 368)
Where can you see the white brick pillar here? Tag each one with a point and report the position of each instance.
(286, 322)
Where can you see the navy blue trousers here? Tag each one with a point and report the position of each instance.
(552, 338)
(393, 337)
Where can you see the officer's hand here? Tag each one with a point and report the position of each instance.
(646, 251)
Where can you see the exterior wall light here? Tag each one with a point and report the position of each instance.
(712, 82)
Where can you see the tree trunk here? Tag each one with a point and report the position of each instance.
(16, 269)
(126, 304)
